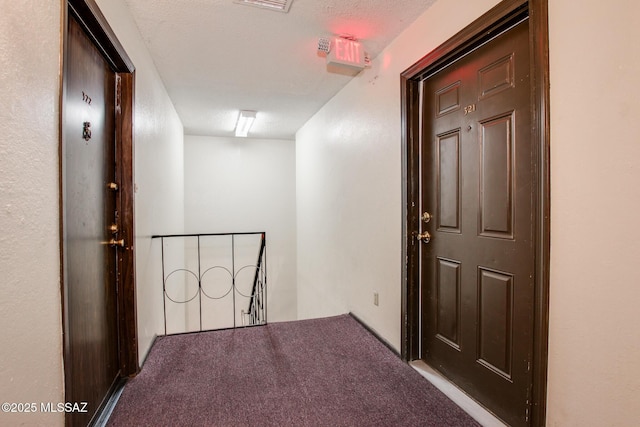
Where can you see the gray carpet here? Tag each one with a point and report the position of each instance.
(321, 372)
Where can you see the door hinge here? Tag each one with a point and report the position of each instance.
(527, 411)
(118, 91)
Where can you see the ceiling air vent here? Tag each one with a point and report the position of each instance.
(277, 5)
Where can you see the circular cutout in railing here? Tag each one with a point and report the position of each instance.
(181, 279)
(216, 282)
(245, 278)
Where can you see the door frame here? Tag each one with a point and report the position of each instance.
(95, 25)
(493, 22)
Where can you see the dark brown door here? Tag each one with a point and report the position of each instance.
(478, 260)
(91, 335)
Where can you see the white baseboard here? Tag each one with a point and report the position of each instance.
(467, 404)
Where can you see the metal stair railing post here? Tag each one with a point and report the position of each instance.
(257, 290)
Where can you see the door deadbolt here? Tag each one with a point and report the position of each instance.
(424, 237)
(86, 131)
(426, 217)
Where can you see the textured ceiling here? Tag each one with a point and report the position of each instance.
(217, 57)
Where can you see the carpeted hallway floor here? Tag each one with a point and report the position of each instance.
(320, 372)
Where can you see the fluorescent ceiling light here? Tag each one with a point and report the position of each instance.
(278, 5)
(245, 120)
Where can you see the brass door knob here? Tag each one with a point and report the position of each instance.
(424, 237)
(114, 243)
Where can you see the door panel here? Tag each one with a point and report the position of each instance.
(495, 320)
(91, 341)
(448, 174)
(448, 301)
(496, 177)
(478, 267)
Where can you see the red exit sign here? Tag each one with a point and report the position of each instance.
(346, 52)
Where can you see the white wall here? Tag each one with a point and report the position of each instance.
(158, 172)
(349, 187)
(247, 185)
(594, 369)
(30, 311)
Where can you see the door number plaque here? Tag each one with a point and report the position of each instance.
(469, 109)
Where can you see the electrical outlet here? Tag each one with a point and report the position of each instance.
(376, 299)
